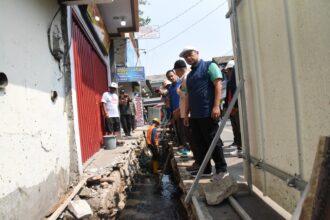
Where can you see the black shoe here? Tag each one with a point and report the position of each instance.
(205, 174)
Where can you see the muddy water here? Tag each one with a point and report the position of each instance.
(151, 200)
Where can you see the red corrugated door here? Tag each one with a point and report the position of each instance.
(91, 81)
(100, 85)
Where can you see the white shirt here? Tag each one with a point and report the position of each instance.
(111, 104)
(182, 92)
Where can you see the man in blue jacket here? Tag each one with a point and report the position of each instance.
(203, 104)
(175, 103)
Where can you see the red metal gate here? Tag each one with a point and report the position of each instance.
(91, 82)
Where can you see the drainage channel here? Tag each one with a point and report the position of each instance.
(154, 196)
(119, 184)
(148, 200)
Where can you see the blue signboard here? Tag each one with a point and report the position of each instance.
(130, 74)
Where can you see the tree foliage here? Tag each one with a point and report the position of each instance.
(143, 21)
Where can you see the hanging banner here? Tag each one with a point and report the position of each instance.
(99, 26)
(138, 111)
(148, 32)
(130, 74)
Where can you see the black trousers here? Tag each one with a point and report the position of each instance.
(203, 131)
(182, 132)
(178, 134)
(155, 152)
(133, 123)
(236, 130)
(126, 123)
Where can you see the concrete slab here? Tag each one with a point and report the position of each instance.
(217, 191)
(253, 205)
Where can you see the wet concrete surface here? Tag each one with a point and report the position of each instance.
(150, 200)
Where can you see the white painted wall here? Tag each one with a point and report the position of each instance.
(34, 145)
(286, 60)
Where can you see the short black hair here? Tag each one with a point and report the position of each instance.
(169, 71)
(179, 64)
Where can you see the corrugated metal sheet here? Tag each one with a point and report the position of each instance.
(285, 56)
(100, 85)
(91, 81)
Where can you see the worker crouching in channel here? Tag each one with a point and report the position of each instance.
(153, 144)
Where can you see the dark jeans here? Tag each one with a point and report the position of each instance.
(155, 152)
(204, 130)
(182, 132)
(189, 138)
(126, 123)
(236, 130)
(133, 123)
(112, 125)
(178, 133)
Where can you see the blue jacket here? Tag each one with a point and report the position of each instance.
(174, 97)
(200, 90)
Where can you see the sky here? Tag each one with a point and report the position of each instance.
(210, 32)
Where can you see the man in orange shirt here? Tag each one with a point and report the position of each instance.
(153, 143)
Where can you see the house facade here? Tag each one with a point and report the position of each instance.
(54, 67)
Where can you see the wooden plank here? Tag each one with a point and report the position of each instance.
(85, 2)
(315, 204)
(65, 203)
(58, 204)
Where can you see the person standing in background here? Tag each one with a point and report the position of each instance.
(133, 112)
(110, 110)
(234, 114)
(125, 112)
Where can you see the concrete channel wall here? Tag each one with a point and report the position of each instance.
(285, 53)
(110, 176)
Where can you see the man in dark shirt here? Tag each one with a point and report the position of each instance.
(203, 105)
(175, 103)
(125, 112)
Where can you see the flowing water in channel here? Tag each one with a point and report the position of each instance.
(150, 200)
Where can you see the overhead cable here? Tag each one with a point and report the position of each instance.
(189, 27)
(172, 19)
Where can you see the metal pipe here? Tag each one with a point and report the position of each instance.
(292, 181)
(238, 208)
(199, 211)
(259, 85)
(295, 82)
(230, 11)
(242, 100)
(214, 141)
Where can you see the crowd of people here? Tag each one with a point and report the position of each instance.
(193, 99)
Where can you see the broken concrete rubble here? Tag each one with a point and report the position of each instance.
(217, 191)
(80, 209)
(105, 191)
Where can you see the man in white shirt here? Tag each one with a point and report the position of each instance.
(182, 72)
(110, 103)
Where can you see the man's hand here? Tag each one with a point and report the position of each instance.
(215, 112)
(186, 121)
